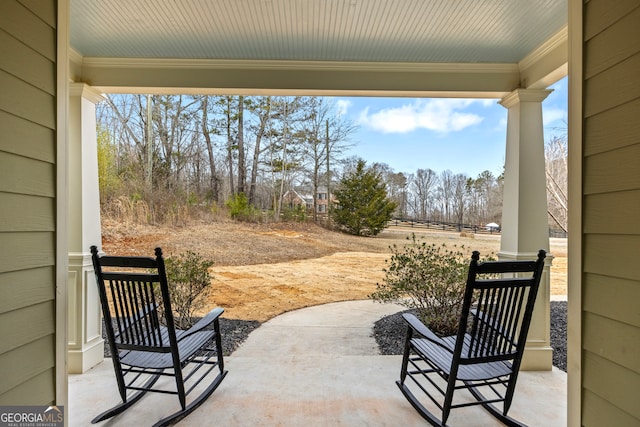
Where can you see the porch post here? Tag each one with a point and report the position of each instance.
(85, 346)
(525, 227)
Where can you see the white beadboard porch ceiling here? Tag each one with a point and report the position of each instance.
(387, 31)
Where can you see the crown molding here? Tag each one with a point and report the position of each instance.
(554, 42)
(75, 56)
(225, 64)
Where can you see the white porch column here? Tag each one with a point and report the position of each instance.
(525, 227)
(85, 346)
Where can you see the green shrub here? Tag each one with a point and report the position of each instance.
(296, 213)
(189, 285)
(428, 278)
(240, 209)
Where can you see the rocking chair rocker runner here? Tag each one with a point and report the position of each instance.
(144, 343)
(487, 350)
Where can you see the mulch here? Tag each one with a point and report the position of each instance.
(390, 331)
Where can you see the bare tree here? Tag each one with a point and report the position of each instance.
(459, 185)
(206, 132)
(327, 135)
(242, 167)
(447, 191)
(261, 108)
(556, 157)
(286, 145)
(423, 186)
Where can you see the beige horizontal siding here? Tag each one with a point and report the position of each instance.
(23, 251)
(45, 10)
(20, 327)
(612, 382)
(612, 255)
(601, 14)
(604, 95)
(27, 202)
(35, 391)
(611, 297)
(26, 176)
(612, 213)
(27, 101)
(26, 138)
(20, 212)
(614, 44)
(26, 287)
(26, 64)
(615, 341)
(29, 28)
(612, 129)
(598, 413)
(616, 170)
(24, 365)
(611, 208)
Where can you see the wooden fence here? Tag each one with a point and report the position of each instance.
(455, 227)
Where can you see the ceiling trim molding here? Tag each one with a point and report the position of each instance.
(547, 64)
(75, 56)
(162, 75)
(223, 64)
(548, 47)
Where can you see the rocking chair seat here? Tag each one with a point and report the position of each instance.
(190, 341)
(186, 349)
(443, 358)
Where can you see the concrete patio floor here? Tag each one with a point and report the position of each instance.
(311, 367)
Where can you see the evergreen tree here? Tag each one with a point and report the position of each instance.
(362, 207)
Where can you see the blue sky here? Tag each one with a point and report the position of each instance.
(462, 135)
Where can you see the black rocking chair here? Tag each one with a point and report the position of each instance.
(144, 343)
(487, 350)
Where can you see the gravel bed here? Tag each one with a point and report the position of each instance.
(390, 331)
(233, 332)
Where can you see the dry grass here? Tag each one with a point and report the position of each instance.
(263, 270)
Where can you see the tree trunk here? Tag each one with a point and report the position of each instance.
(230, 146)
(242, 167)
(213, 179)
(264, 119)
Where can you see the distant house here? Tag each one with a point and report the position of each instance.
(303, 197)
(322, 200)
(292, 199)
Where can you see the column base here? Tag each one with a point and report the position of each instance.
(80, 361)
(537, 359)
(85, 346)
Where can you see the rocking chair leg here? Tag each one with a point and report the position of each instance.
(124, 405)
(511, 422)
(177, 416)
(432, 419)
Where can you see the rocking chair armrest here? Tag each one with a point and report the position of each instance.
(420, 328)
(211, 317)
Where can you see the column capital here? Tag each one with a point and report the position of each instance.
(524, 95)
(85, 91)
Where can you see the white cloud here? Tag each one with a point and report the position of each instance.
(550, 115)
(439, 115)
(342, 105)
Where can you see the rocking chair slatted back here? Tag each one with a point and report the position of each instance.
(499, 319)
(134, 307)
(135, 311)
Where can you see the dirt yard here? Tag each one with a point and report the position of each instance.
(262, 271)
